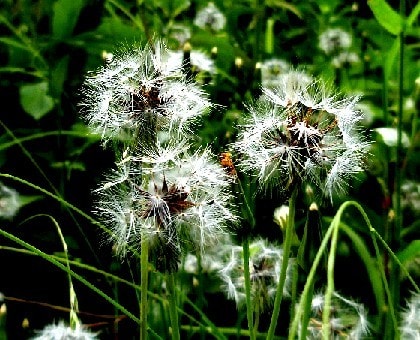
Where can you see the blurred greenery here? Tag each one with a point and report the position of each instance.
(47, 47)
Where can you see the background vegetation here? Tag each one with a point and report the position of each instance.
(46, 49)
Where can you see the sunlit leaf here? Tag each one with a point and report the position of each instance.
(386, 16)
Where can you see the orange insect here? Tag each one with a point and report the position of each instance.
(225, 159)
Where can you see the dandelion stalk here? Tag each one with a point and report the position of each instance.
(173, 312)
(283, 269)
(326, 314)
(144, 258)
(247, 276)
(396, 236)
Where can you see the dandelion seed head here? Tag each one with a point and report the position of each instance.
(348, 318)
(181, 33)
(345, 58)
(334, 40)
(271, 72)
(10, 202)
(302, 132)
(187, 199)
(140, 89)
(410, 318)
(200, 61)
(210, 17)
(264, 264)
(61, 331)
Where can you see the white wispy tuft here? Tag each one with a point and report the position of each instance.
(210, 17)
(334, 40)
(10, 202)
(61, 331)
(140, 91)
(348, 319)
(410, 319)
(301, 131)
(264, 264)
(183, 199)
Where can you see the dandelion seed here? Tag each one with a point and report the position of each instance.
(140, 90)
(410, 319)
(214, 259)
(271, 71)
(345, 58)
(60, 331)
(348, 318)
(301, 132)
(410, 197)
(264, 264)
(334, 41)
(210, 17)
(9, 202)
(199, 61)
(180, 33)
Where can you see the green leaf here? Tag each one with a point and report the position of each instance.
(58, 76)
(386, 16)
(410, 252)
(35, 99)
(66, 13)
(413, 15)
(391, 58)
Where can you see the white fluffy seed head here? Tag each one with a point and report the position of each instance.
(348, 318)
(139, 92)
(61, 331)
(264, 263)
(300, 132)
(183, 199)
(210, 17)
(410, 318)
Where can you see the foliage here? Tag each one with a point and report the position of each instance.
(362, 244)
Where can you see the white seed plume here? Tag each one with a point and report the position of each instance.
(302, 132)
(140, 92)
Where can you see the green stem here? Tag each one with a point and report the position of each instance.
(330, 282)
(247, 276)
(396, 235)
(76, 276)
(283, 269)
(144, 265)
(170, 286)
(391, 314)
(308, 288)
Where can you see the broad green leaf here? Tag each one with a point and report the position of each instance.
(386, 16)
(35, 99)
(66, 14)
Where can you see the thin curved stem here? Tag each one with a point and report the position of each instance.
(284, 264)
(247, 276)
(144, 267)
(170, 285)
